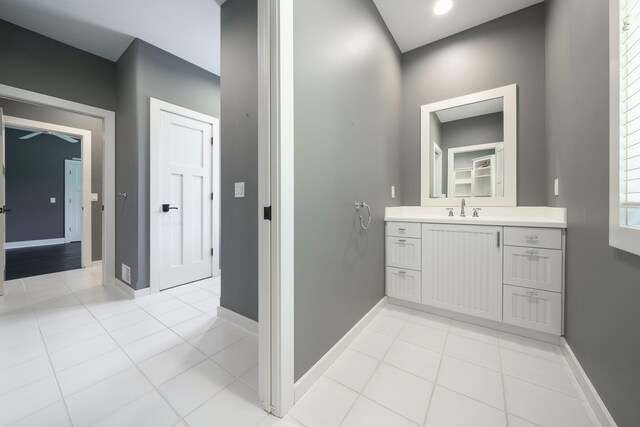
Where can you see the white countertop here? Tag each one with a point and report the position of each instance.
(536, 216)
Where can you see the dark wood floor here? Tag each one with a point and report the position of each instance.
(26, 262)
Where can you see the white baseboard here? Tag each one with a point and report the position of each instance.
(598, 406)
(312, 375)
(133, 294)
(97, 263)
(33, 243)
(238, 320)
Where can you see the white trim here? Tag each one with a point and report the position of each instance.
(312, 375)
(598, 406)
(33, 243)
(487, 323)
(156, 107)
(625, 238)
(67, 216)
(97, 263)
(264, 199)
(510, 95)
(238, 320)
(108, 162)
(85, 149)
(131, 293)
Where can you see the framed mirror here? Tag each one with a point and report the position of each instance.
(469, 149)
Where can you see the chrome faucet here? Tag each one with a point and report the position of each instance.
(462, 214)
(475, 212)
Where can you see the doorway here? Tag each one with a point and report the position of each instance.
(47, 228)
(184, 196)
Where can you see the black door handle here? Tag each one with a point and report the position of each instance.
(4, 209)
(166, 207)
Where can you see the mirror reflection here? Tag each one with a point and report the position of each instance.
(467, 150)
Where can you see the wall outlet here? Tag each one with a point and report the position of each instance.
(94, 197)
(393, 191)
(126, 273)
(556, 186)
(239, 190)
(52, 200)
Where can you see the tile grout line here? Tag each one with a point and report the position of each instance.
(504, 388)
(435, 381)
(55, 374)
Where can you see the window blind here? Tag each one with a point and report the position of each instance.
(630, 112)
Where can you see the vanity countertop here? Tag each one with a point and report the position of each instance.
(535, 216)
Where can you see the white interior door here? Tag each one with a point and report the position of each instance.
(73, 201)
(2, 203)
(185, 193)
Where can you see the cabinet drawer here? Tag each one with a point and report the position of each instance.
(404, 284)
(533, 237)
(404, 253)
(404, 229)
(533, 309)
(533, 268)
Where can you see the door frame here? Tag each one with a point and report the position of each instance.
(276, 190)
(156, 107)
(85, 153)
(67, 162)
(108, 164)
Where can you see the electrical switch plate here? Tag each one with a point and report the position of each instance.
(556, 187)
(393, 191)
(94, 197)
(239, 190)
(52, 200)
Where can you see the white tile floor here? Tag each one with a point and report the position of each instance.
(414, 369)
(74, 353)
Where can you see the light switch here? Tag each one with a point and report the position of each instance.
(393, 191)
(94, 197)
(239, 193)
(556, 187)
(52, 200)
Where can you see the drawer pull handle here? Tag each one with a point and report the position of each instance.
(531, 237)
(532, 253)
(402, 241)
(402, 229)
(531, 294)
(402, 273)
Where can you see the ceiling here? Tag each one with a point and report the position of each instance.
(413, 24)
(189, 29)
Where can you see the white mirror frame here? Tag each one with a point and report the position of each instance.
(510, 95)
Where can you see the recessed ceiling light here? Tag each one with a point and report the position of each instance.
(442, 7)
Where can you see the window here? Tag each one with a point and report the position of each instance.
(625, 125)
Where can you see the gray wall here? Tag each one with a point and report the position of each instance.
(65, 118)
(145, 71)
(40, 64)
(508, 50)
(239, 130)
(602, 315)
(347, 119)
(35, 172)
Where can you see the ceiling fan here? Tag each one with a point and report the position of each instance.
(59, 135)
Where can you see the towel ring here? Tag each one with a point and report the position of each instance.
(360, 205)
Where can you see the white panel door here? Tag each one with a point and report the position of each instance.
(462, 269)
(185, 168)
(2, 203)
(73, 201)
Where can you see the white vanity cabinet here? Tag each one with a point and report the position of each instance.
(513, 275)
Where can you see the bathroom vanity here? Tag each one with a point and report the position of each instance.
(469, 250)
(505, 266)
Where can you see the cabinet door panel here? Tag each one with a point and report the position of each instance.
(533, 268)
(403, 284)
(462, 269)
(403, 253)
(533, 309)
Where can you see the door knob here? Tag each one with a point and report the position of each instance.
(166, 207)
